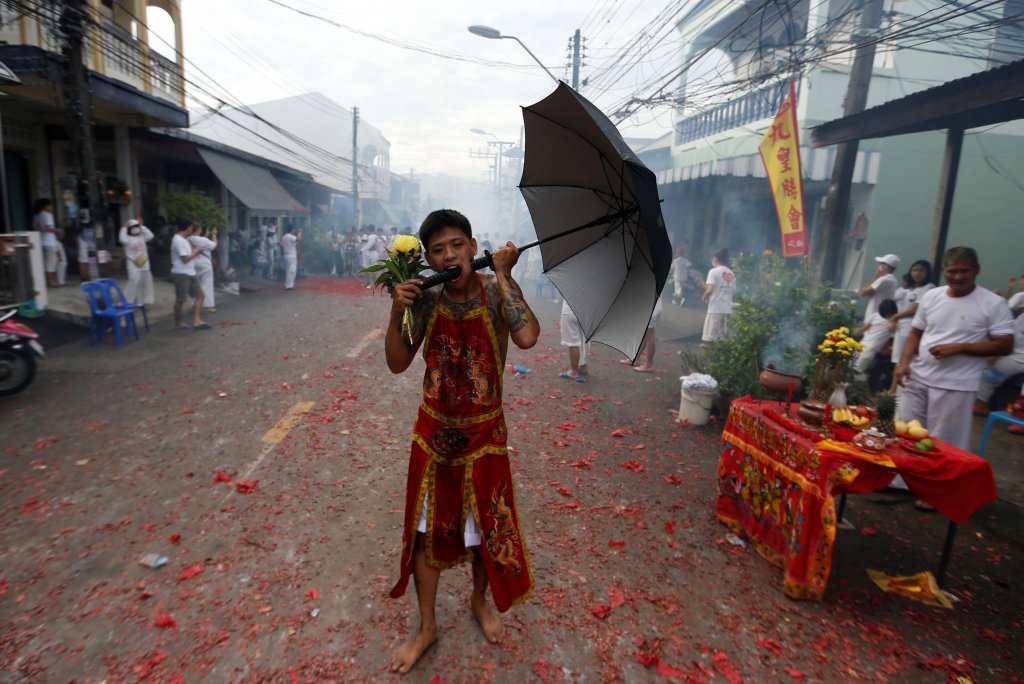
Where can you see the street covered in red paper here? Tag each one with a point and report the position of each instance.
(229, 509)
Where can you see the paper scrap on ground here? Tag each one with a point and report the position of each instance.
(920, 587)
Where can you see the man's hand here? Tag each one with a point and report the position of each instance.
(900, 375)
(944, 351)
(505, 258)
(406, 294)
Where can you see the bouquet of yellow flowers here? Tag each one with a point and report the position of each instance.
(404, 262)
(837, 352)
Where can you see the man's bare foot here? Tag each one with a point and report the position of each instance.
(406, 655)
(625, 362)
(642, 369)
(489, 622)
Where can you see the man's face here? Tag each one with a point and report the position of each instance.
(450, 247)
(960, 276)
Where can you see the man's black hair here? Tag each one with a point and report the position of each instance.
(181, 223)
(887, 308)
(443, 218)
(41, 204)
(288, 228)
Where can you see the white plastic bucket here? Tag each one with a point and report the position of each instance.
(695, 405)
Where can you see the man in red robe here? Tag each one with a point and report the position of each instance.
(460, 500)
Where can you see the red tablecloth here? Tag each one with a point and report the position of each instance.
(776, 488)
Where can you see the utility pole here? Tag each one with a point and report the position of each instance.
(837, 202)
(576, 60)
(72, 27)
(358, 219)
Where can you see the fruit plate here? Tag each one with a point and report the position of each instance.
(909, 446)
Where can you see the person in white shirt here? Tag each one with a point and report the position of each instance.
(915, 283)
(718, 291)
(291, 256)
(574, 338)
(680, 272)
(271, 232)
(134, 236)
(183, 273)
(55, 260)
(645, 355)
(882, 285)
(206, 240)
(956, 329)
(1000, 370)
(370, 252)
(877, 334)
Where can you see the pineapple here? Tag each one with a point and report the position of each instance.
(885, 403)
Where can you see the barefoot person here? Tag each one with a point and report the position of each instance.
(460, 500)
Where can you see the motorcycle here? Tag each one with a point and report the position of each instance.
(19, 348)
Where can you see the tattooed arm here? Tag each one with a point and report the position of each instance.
(523, 326)
(397, 350)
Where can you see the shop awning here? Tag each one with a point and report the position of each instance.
(253, 185)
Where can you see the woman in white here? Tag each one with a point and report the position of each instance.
(206, 239)
(134, 236)
(718, 292)
(915, 283)
(55, 261)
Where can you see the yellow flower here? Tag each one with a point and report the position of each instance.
(405, 244)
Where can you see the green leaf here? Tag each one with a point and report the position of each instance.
(373, 269)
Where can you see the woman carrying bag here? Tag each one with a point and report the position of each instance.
(134, 236)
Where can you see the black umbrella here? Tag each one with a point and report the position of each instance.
(598, 218)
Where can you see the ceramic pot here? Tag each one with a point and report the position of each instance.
(812, 412)
(778, 382)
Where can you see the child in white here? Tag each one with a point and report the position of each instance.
(718, 291)
(134, 236)
(680, 272)
(916, 283)
(204, 264)
(291, 257)
(876, 335)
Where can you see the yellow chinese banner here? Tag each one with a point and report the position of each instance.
(780, 153)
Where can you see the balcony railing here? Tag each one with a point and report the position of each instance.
(756, 105)
(165, 76)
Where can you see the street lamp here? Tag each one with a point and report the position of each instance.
(495, 34)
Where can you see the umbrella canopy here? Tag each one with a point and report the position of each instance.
(598, 218)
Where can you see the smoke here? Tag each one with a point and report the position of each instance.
(788, 349)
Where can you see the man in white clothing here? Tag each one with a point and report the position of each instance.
(183, 273)
(291, 256)
(883, 284)
(718, 291)
(956, 329)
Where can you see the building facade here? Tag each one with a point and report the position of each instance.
(740, 58)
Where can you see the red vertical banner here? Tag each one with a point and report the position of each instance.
(780, 153)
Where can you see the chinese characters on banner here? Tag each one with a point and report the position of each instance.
(780, 152)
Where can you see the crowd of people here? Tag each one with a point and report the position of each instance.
(949, 348)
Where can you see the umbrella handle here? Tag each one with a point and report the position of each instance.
(444, 276)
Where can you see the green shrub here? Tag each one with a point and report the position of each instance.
(779, 317)
(194, 205)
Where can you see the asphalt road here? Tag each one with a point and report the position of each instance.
(281, 573)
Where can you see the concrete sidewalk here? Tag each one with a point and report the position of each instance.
(70, 304)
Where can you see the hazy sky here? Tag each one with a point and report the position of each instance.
(257, 50)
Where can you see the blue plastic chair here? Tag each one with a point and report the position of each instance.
(115, 288)
(105, 313)
(1003, 416)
